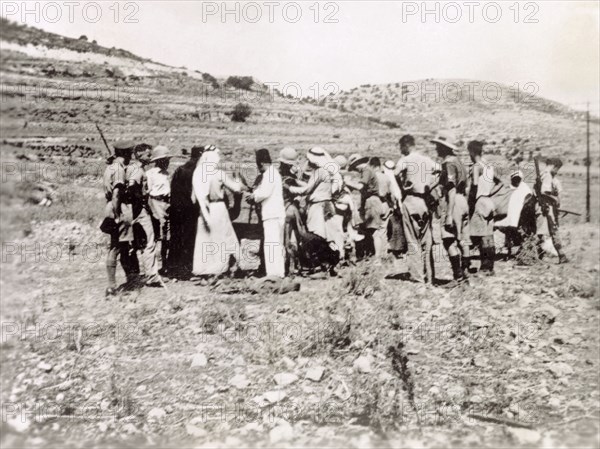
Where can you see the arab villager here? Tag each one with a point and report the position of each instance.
(319, 197)
(184, 218)
(216, 242)
(269, 194)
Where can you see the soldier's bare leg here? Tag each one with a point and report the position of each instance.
(111, 265)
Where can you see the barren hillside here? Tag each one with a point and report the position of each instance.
(58, 87)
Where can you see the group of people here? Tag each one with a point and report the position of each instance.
(311, 214)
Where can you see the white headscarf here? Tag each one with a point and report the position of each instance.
(333, 168)
(206, 170)
(394, 187)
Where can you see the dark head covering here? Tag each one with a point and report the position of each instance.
(407, 139)
(123, 147)
(197, 151)
(263, 156)
(143, 147)
(476, 146)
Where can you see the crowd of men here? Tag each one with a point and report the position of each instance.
(313, 214)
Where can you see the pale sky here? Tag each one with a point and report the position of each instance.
(372, 41)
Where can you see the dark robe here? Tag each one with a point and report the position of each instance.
(184, 219)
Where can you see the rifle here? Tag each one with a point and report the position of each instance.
(110, 153)
(550, 219)
(537, 187)
(568, 212)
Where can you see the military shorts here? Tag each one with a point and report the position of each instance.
(124, 230)
(482, 220)
(460, 219)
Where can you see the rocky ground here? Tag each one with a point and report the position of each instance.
(358, 360)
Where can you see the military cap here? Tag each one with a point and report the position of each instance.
(124, 145)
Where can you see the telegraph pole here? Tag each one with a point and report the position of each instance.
(588, 163)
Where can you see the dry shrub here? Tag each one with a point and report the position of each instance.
(362, 282)
(528, 254)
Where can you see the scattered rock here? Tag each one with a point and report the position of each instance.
(46, 367)
(238, 361)
(199, 360)
(543, 392)
(283, 379)
(560, 369)
(282, 432)
(130, 429)
(157, 414)
(434, 391)
(17, 423)
(525, 301)
(194, 429)
(413, 348)
(239, 381)
(444, 303)
(274, 396)
(289, 363)
(554, 402)
(480, 361)
(524, 436)
(457, 392)
(342, 392)
(269, 398)
(363, 364)
(315, 374)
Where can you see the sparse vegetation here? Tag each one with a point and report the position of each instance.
(241, 112)
(240, 82)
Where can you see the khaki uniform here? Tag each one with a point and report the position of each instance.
(143, 229)
(481, 227)
(548, 225)
(482, 218)
(121, 237)
(417, 174)
(550, 186)
(456, 236)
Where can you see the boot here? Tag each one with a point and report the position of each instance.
(456, 268)
(488, 255)
(466, 266)
(562, 258)
(487, 260)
